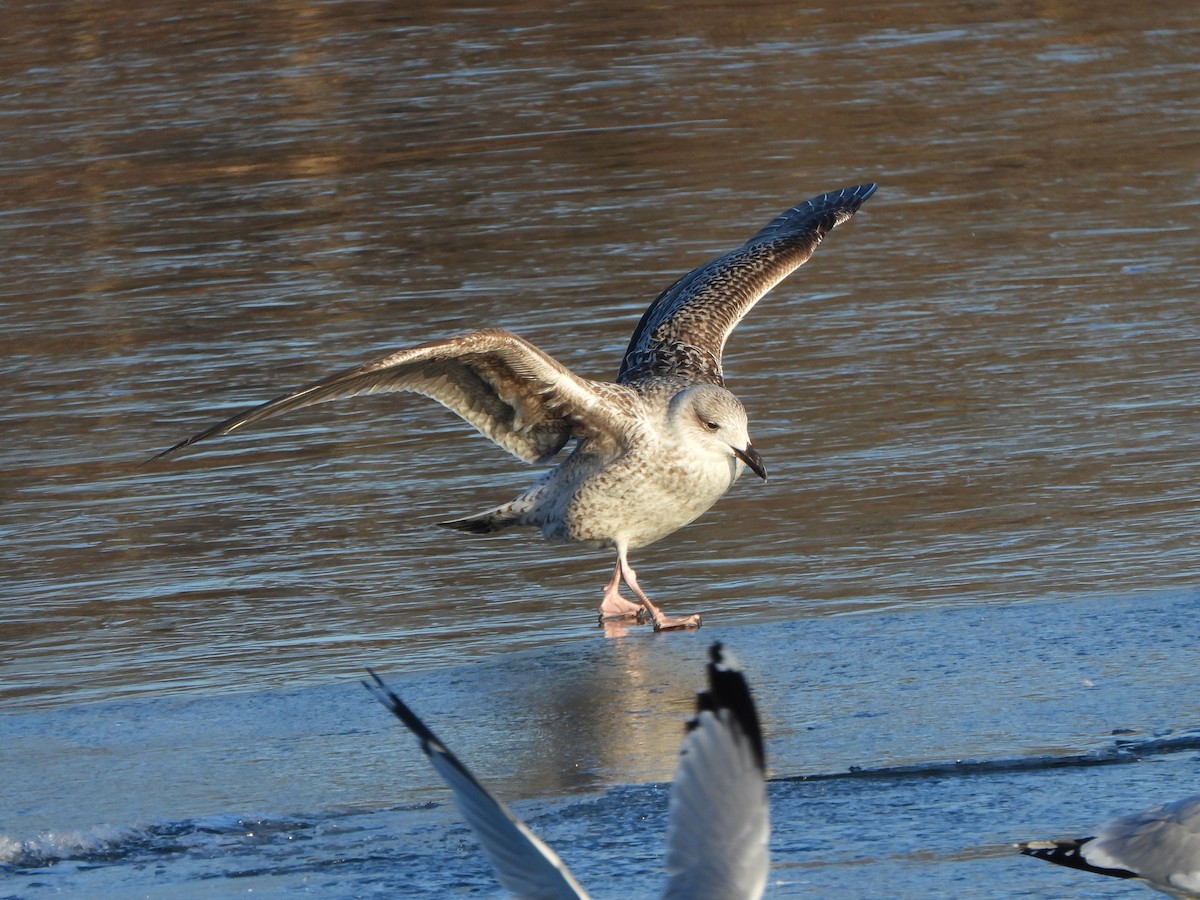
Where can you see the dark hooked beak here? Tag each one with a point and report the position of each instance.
(751, 458)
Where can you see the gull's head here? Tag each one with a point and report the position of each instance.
(712, 417)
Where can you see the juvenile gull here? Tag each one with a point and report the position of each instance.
(652, 451)
(719, 821)
(1159, 846)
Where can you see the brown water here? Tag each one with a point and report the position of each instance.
(980, 391)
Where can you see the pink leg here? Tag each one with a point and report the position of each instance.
(662, 622)
(614, 606)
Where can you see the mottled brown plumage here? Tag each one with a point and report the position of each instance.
(685, 329)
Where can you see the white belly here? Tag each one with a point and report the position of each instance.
(638, 504)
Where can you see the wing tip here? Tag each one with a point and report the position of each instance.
(866, 190)
(226, 426)
(1069, 853)
(846, 202)
(388, 698)
(506, 841)
(186, 442)
(729, 690)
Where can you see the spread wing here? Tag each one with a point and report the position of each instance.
(521, 398)
(717, 840)
(523, 864)
(685, 329)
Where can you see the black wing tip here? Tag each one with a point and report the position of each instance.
(184, 443)
(864, 191)
(237, 420)
(816, 217)
(1069, 854)
(1052, 851)
(222, 427)
(378, 689)
(845, 201)
(728, 689)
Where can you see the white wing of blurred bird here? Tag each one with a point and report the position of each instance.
(718, 832)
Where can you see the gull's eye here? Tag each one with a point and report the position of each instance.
(711, 426)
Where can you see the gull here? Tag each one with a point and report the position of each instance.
(1159, 846)
(718, 818)
(653, 450)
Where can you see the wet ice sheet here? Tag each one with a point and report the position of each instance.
(906, 750)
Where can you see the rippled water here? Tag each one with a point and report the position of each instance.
(978, 398)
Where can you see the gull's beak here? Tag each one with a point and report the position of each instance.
(751, 458)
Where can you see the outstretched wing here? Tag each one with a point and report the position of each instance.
(516, 395)
(523, 864)
(685, 329)
(717, 839)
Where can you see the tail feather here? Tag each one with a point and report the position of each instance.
(488, 522)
